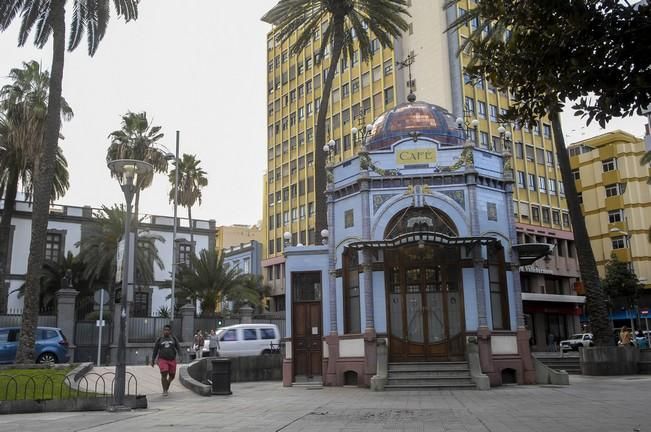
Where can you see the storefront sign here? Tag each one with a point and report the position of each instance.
(416, 156)
(534, 269)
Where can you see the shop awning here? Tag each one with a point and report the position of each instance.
(423, 237)
(530, 252)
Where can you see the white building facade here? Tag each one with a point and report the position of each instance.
(67, 226)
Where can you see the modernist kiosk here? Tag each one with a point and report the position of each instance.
(420, 257)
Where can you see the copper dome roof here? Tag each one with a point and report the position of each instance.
(413, 119)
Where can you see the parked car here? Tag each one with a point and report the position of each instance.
(248, 340)
(51, 345)
(576, 341)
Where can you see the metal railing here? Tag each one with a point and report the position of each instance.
(60, 386)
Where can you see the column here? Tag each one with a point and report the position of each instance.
(246, 314)
(66, 301)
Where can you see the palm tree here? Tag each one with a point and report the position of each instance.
(207, 281)
(48, 18)
(23, 104)
(137, 139)
(251, 290)
(53, 274)
(98, 249)
(347, 25)
(191, 179)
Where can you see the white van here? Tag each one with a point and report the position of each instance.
(248, 340)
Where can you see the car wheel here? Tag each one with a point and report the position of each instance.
(47, 357)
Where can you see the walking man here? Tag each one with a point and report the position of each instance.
(166, 349)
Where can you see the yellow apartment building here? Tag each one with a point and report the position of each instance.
(616, 199)
(235, 235)
(362, 92)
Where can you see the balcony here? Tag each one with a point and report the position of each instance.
(614, 202)
(623, 255)
(610, 177)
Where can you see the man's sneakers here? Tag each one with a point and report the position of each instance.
(165, 393)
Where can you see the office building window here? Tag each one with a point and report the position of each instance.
(493, 113)
(470, 105)
(535, 213)
(542, 184)
(556, 217)
(618, 242)
(519, 150)
(609, 165)
(481, 109)
(545, 215)
(612, 190)
(522, 179)
(552, 186)
(615, 216)
(576, 174)
(566, 219)
(530, 153)
(532, 182)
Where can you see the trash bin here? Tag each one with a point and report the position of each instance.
(221, 376)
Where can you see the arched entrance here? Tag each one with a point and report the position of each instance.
(424, 289)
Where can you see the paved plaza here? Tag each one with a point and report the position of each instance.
(590, 404)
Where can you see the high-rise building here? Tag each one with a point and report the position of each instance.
(616, 199)
(364, 91)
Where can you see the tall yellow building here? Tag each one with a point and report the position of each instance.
(294, 91)
(227, 236)
(616, 199)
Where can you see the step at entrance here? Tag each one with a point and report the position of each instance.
(429, 376)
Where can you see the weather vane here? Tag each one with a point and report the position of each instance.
(406, 63)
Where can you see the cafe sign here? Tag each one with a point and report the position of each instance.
(416, 156)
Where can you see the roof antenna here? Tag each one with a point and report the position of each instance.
(406, 63)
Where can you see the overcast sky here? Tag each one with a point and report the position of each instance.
(198, 66)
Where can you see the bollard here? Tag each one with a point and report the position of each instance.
(221, 376)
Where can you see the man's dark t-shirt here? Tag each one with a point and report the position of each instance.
(166, 348)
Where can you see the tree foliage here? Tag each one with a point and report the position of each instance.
(47, 18)
(620, 282)
(192, 178)
(545, 53)
(595, 53)
(208, 281)
(98, 248)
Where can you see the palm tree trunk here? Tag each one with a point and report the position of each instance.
(44, 165)
(5, 232)
(191, 231)
(320, 135)
(595, 297)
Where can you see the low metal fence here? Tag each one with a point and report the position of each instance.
(24, 386)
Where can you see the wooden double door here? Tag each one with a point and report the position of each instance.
(307, 328)
(425, 304)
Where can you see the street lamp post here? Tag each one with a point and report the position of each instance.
(130, 174)
(175, 158)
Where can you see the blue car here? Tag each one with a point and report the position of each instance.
(51, 345)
